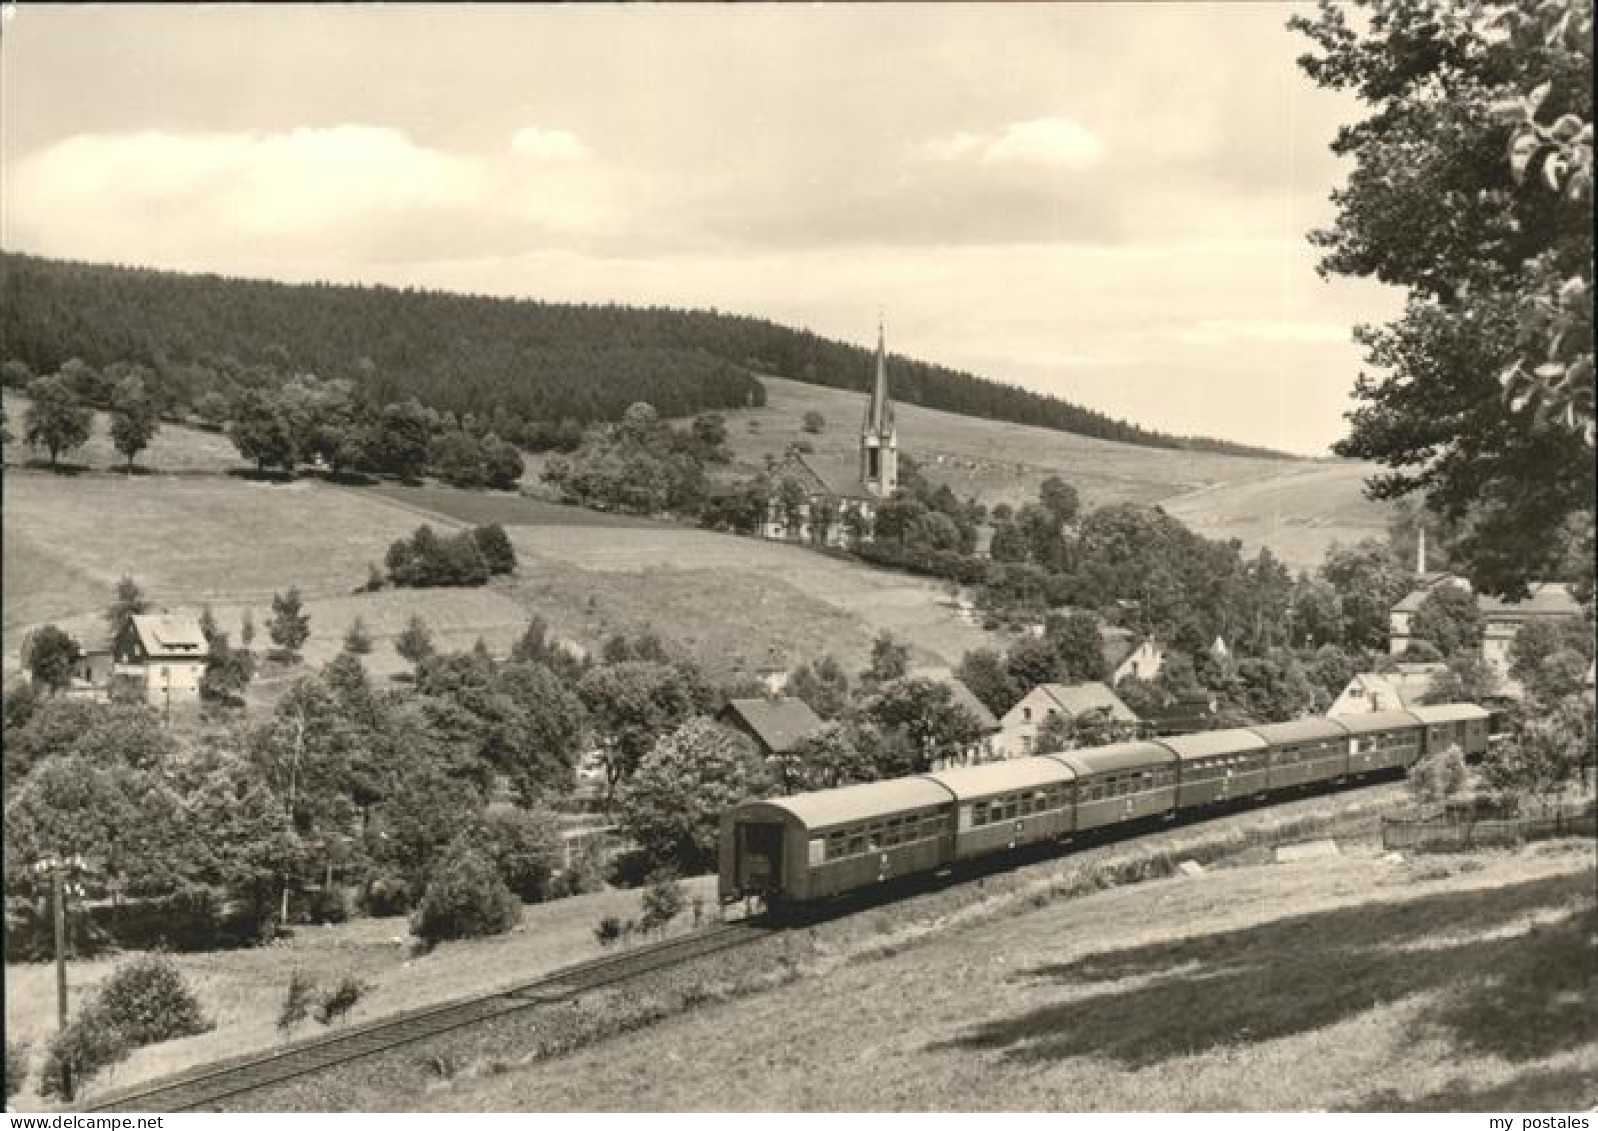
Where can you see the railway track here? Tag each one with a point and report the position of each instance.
(218, 1083)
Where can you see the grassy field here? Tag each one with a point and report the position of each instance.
(1297, 515)
(243, 990)
(1350, 983)
(174, 449)
(738, 604)
(1296, 507)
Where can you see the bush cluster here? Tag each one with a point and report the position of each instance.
(464, 898)
(427, 559)
(143, 1002)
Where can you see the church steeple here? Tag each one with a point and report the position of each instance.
(879, 442)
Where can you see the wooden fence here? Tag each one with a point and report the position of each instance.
(1442, 834)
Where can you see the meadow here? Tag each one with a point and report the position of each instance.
(1296, 507)
(737, 604)
(1358, 982)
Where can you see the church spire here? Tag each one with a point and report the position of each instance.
(879, 413)
(879, 444)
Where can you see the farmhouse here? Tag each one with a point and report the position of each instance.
(776, 724)
(165, 655)
(1503, 620)
(1018, 729)
(835, 506)
(1386, 691)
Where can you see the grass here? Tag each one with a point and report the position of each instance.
(174, 449)
(1348, 983)
(243, 990)
(738, 604)
(1296, 507)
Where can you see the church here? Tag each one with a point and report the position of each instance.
(836, 506)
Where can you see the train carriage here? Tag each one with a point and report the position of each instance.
(1305, 751)
(813, 845)
(1464, 725)
(1124, 782)
(1380, 740)
(1003, 805)
(1217, 766)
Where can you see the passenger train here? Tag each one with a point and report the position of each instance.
(792, 851)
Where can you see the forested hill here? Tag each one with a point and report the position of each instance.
(463, 353)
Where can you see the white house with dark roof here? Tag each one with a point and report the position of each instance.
(1502, 620)
(1018, 729)
(166, 654)
(1386, 691)
(839, 503)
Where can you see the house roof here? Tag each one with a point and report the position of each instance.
(824, 474)
(1547, 599)
(169, 635)
(1079, 698)
(1397, 689)
(1115, 644)
(779, 723)
(961, 694)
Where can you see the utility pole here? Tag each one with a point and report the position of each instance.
(55, 866)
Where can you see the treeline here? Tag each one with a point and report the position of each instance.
(545, 366)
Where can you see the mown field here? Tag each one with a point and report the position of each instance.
(1355, 983)
(738, 604)
(242, 990)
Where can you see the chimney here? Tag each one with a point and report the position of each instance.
(1420, 554)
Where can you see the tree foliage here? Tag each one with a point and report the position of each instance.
(51, 656)
(672, 806)
(56, 420)
(1449, 199)
(289, 626)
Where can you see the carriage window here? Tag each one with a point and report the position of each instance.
(857, 844)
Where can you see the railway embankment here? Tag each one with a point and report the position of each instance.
(422, 1074)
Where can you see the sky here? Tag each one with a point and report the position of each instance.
(1104, 202)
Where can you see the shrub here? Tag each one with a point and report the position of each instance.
(16, 1066)
(357, 640)
(662, 900)
(1437, 776)
(585, 873)
(89, 1044)
(608, 931)
(387, 895)
(337, 1003)
(296, 1002)
(148, 1001)
(524, 848)
(465, 898)
(494, 545)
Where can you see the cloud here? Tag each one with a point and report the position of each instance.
(548, 145)
(348, 191)
(1050, 143)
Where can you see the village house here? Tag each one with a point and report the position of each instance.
(982, 749)
(1502, 620)
(1386, 691)
(1018, 729)
(818, 500)
(165, 656)
(776, 725)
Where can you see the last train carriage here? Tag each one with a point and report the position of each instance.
(812, 846)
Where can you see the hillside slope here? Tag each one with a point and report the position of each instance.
(520, 360)
(1295, 507)
(737, 604)
(1351, 983)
